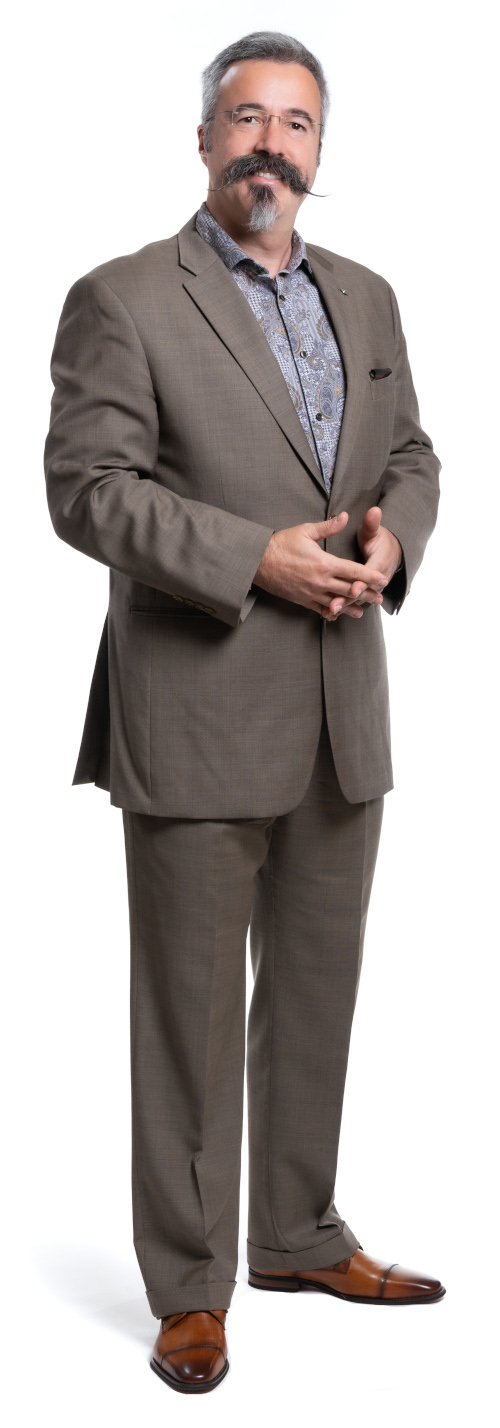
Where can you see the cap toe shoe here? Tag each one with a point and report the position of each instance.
(190, 1353)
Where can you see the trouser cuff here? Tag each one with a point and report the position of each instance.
(188, 1297)
(318, 1256)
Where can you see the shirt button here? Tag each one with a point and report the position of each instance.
(319, 416)
(302, 354)
(282, 297)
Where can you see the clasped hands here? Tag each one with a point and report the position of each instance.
(296, 568)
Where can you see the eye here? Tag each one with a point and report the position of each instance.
(296, 127)
(245, 120)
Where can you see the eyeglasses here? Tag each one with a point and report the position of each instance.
(296, 126)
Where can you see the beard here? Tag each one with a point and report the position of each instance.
(265, 208)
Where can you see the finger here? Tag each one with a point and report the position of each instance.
(368, 597)
(354, 610)
(343, 589)
(367, 574)
(373, 517)
(357, 591)
(365, 597)
(347, 609)
(320, 530)
(336, 587)
(370, 523)
(324, 611)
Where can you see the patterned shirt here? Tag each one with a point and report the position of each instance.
(292, 317)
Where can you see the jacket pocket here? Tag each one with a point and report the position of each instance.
(382, 388)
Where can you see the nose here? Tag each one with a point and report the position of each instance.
(270, 137)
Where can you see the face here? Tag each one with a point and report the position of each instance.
(259, 174)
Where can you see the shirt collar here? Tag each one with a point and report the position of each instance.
(232, 254)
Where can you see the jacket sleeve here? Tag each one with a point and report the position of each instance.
(410, 489)
(100, 461)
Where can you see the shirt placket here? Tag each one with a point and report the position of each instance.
(284, 298)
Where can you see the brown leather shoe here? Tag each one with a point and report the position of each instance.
(190, 1352)
(364, 1280)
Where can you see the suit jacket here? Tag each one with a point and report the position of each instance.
(174, 452)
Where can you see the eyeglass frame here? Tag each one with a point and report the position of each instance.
(262, 113)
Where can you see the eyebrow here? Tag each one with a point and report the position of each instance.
(299, 113)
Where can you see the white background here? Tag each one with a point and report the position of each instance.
(100, 143)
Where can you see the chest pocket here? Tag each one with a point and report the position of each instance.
(381, 387)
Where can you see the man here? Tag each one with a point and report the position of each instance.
(236, 435)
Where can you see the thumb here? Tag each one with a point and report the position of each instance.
(369, 526)
(319, 530)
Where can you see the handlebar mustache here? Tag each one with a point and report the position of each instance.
(250, 166)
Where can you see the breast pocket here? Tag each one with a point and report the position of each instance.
(382, 388)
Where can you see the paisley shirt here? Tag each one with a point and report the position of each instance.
(292, 317)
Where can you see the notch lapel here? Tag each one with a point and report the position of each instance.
(214, 291)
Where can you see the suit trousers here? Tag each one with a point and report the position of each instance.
(301, 881)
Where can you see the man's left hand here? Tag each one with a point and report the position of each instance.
(383, 549)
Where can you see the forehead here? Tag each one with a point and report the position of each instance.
(278, 86)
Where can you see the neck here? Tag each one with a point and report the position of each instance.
(272, 249)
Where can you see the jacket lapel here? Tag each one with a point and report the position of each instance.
(213, 289)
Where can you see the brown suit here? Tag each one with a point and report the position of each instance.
(173, 454)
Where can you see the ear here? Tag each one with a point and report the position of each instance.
(201, 143)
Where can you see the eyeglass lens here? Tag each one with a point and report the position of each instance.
(298, 127)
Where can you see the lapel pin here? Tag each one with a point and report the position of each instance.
(344, 291)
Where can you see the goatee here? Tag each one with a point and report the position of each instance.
(264, 211)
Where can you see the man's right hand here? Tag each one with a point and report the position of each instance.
(296, 568)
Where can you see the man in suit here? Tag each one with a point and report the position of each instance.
(235, 433)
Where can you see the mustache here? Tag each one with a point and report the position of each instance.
(248, 165)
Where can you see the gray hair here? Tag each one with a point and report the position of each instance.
(262, 45)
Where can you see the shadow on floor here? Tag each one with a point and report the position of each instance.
(97, 1283)
(100, 1284)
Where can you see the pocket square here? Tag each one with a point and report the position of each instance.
(377, 372)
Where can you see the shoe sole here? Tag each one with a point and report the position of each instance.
(292, 1286)
(188, 1387)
